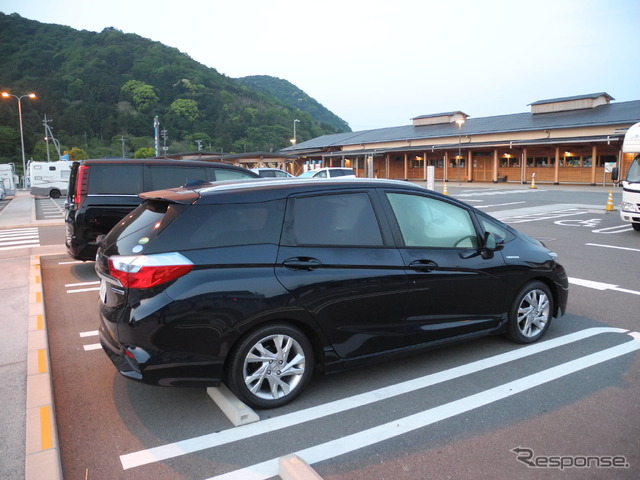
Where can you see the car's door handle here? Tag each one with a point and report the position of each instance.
(302, 263)
(423, 265)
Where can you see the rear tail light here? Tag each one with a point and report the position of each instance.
(82, 185)
(146, 271)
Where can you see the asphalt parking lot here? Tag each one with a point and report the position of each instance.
(486, 406)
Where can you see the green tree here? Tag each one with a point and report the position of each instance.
(203, 138)
(144, 96)
(77, 154)
(9, 142)
(185, 109)
(145, 152)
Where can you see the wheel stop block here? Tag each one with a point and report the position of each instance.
(293, 467)
(238, 412)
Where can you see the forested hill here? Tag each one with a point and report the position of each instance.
(103, 90)
(291, 95)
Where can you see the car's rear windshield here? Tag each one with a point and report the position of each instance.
(115, 179)
(133, 233)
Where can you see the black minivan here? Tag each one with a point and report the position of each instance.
(259, 283)
(102, 192)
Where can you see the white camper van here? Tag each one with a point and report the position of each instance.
(49, 178)
(630, 207)
(8, 178)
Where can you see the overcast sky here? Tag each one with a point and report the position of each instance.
(379, 63)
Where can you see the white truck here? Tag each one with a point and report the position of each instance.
(630, 206)
(8, 178)
(50, 179)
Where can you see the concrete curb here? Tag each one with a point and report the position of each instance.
(42, 452)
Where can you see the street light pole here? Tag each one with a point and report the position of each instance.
(24, 163)
(459, 122)
(294, 140)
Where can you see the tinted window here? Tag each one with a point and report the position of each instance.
(338, 220)
(340, 173)
(427, 222)
(141, 226)
(115, 179)
(220, 174)
(494, 226)
(206, 226)
(170, 177)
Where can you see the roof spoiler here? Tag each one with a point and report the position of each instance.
(174, 195)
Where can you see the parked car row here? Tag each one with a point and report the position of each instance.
(326, 172)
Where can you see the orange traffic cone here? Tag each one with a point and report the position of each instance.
(444, 192)
(533, 181)
(609, 207)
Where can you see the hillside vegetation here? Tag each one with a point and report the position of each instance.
(291, 95)
(103, 90)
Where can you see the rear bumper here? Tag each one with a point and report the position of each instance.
(160, 368)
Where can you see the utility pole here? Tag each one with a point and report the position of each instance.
(48, 135)
(165, 135)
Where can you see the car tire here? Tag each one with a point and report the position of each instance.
(636, 226)
(270, 366)
(530, 313)
(55, 194)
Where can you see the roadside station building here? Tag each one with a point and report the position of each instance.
(562, 140)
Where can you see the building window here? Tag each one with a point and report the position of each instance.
(569, 161)
(602, 159)
(508, 160)
(539, 162)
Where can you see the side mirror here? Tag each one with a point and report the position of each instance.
(492, 243)
(614, 174)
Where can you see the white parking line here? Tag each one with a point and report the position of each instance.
(93, 346)
(269, 425)
(371, 436)
(91, 333)
(19, 238)
(612, 246)
(82, 284)
(600, 286)
(499, 204)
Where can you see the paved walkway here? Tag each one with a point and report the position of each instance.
(28, 445)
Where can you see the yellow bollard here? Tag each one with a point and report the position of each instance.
(609, 207)
(444, 192)
(533, 181)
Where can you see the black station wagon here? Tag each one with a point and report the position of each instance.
(260, 283)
